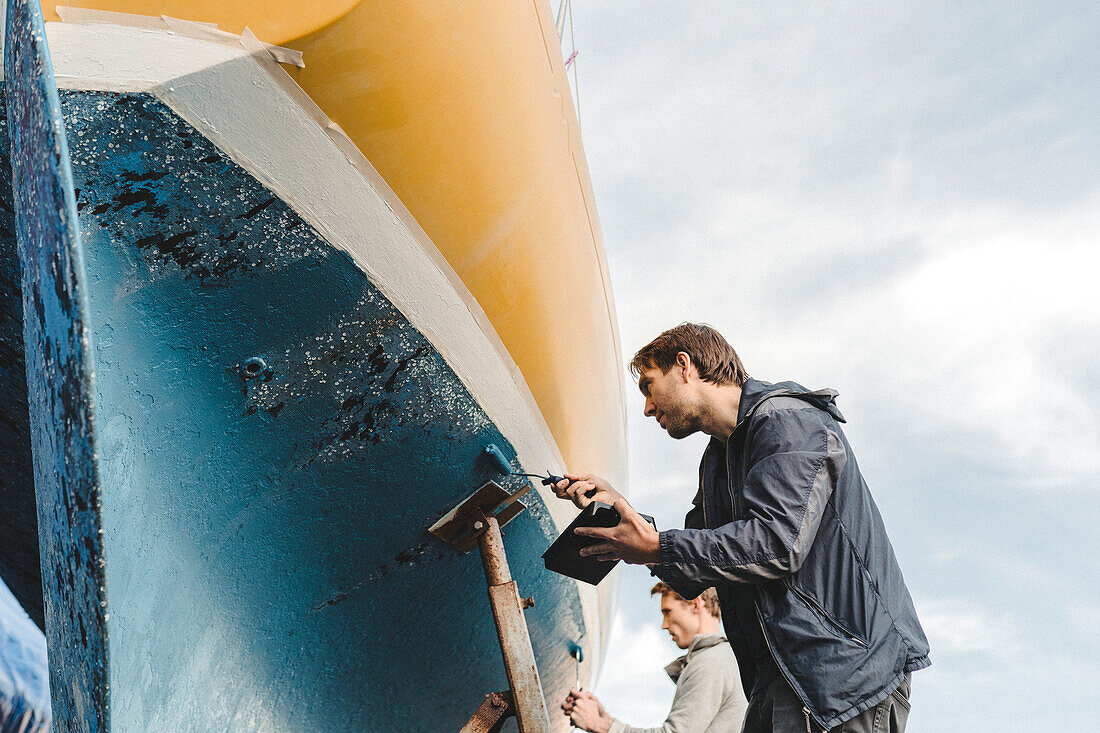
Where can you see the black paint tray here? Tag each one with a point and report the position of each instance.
(564, 555)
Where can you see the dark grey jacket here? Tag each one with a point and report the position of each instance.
(808, 542)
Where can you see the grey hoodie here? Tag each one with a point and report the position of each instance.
(708, 697)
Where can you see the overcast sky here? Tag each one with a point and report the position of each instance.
(899, 201)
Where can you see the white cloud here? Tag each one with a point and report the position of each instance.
(989, 666)
(1083, 618)
(964, 342)
(974, 320)
(963, 626)
(964, 333)
(633, 686)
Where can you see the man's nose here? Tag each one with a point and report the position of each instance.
(650, 408)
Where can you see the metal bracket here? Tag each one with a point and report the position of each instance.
(457, 527)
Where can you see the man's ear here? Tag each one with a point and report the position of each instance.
(699, 606)
(684, 361)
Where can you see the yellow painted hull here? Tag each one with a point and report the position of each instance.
(465, 110)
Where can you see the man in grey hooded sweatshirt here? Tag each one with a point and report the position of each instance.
(708, 699)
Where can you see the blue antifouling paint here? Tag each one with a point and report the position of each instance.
(24, 674)
(496, 455)
(59, 377)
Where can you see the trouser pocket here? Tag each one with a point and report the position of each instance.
(889, 716)
(901, 695)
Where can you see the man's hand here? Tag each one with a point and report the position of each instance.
(633, 540)
(586, 712)
(577, 486)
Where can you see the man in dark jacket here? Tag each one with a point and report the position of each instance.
(784, 527)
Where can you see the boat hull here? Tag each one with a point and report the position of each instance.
(465, 110)
(285, 389)
(265, 537)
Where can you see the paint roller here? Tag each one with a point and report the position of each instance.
(496, 456)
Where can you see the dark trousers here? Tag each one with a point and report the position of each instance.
(778, 710)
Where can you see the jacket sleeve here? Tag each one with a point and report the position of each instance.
(699, 694)
(792, 460)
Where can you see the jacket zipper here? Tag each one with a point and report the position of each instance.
(706, 522)
(767, 643)
(809, 601)
(735, 505)
(759, 617)
(828, 619)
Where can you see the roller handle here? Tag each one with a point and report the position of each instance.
(551, 479)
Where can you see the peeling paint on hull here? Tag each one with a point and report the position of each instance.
(267, 561)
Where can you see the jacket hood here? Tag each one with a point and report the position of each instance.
(698, 644)
(754, 392)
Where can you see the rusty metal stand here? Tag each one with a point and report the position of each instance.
(524, 699)
(491, 716)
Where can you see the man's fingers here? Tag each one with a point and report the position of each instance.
(574, 492)
(578, 487)
(604, 551)
(600, 552)
(578, 493)
(584, 488)
(599, 533)
(560, 488)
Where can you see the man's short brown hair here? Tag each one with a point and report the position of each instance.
(711, 354)
(709, 596)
